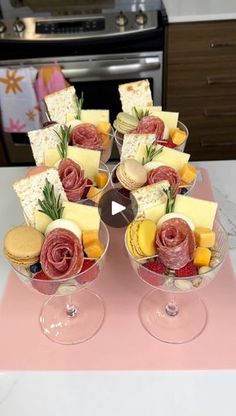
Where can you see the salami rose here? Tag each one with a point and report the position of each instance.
(73, 180)
(165, 173)
(176, 243)
(62, 254)
(86, 135)
(151, 124)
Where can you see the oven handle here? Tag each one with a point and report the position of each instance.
(149, 64)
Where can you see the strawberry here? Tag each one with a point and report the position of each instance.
(154, 278)
(89, 273)
(43, 284)
(166, 143)
(188, 270)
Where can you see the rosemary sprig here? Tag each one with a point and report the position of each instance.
(64, 137)
(170, 199)
(151, 152)
(50, 205)
(141, 113)
(79, 103)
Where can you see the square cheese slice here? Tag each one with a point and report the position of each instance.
(171, 157)
(170, 118)
(94, 116)
(200, 211)
(85, 216)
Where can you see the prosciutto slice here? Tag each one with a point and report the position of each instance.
(176, 243)
(73, 180)
(165, 173)
(86, 135)
(151, 124)
(62, 254)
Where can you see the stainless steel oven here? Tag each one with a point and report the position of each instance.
(96, 54)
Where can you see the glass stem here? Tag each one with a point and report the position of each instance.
(172, 308)
(71, 309)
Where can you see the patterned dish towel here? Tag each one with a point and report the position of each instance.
(18, 101)
(50, 79)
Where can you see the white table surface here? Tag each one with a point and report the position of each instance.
(182, 393)
(199, 10)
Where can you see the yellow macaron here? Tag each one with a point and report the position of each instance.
(22, 245)
(140, 238)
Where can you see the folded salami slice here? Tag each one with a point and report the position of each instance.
(165, 173)
(176, 243)
(151, 124)
(86, 135)
(73, 180)
(62, 254)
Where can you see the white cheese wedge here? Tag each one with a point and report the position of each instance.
(168, 156)
(201, 212)
(88, 159)
(85, 216)
(41, 221)
(94, 116)
(66, 225)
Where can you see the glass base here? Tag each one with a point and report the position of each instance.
(72, 319)
(176, 328)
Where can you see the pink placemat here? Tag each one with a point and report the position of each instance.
(122, 343)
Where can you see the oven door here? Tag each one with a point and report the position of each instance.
(98, 77)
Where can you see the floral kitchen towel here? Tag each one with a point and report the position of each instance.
(19, 106)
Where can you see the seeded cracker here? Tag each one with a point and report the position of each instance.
(134, 94)
(43, 139)
(62, 105)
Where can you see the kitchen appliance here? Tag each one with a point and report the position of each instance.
(96, 51)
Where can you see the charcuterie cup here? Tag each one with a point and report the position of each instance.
(119, 137)
(173, 311)
(72, 313)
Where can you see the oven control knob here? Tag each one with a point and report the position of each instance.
(3, 27)
(19, 25)
(141, 18)
(121, 19)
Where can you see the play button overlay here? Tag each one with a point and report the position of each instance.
(116, 209)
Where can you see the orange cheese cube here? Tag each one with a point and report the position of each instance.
(104, 129)
(94, 194)
(188, 173)
(178, 136)
(204, 237)
(94, 249)
(202, 256)
(101, 179)
(89, 236)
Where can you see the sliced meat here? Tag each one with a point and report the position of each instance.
(151, 124)
(165, 173)
(176, 243)
(86, 135)
(62, 254)
(73, 180)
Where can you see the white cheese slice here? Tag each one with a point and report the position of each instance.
(201, 212)
(94, 116)
(85, 216)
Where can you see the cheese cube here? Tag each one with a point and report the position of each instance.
(202, 256)
(101, 179)
(94, 249)
(188, 173)
(168, 156)
(85, 216)
(178, 136)
(204, 237)
(89, 236)
(201, 212)
(94, 194)
(94, 116)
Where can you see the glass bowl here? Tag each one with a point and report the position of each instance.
(71, 314)
(184, 190)
(120, 136)
(173, 311)
(106, 152)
